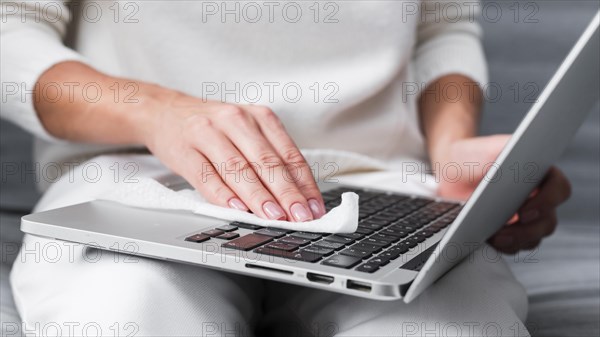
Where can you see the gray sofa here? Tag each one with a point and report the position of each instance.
(562, 277)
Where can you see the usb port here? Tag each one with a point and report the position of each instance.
(319, 278)
(358, 285)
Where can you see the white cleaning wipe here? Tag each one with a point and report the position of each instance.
(149, 193)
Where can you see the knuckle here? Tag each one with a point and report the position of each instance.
(309, 188)
(202, 175)
(180, 152)
(220, 193)
(235, 164)
(292, 155)
(269, 117)
(199, 122)
(196, 126)
(232, 111)
(258, 195)
(270, 159)
(287, 193)
(264, 112)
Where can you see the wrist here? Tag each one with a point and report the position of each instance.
(148, 105)
(441, 153)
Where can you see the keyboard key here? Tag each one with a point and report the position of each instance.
(329, 245)
(375, 242)
(197, 238)
(353, 236)
(368, 268)
(282, 246)
(385, 237)
(362, 215)
(327, 197)
(427, 232)
(294, 241)
(412, 242)
(367, 247)
(380, 261)
(228, 236)
(369, 225)
(398, 198)
(400, 248)
(307, 235)
(248, 242)
(375, 222)
(389, 213)
(299, 255)
(388, 256)
(339, 239)
(319, 250)
(422, 236)
(395, 231)
(434, 229)
(246, 225)
(420, 202)
(406, 224)
(363, 230)
(342, 261)
(384, 219)
(356, 252)
(213, 232)
(227, 228)
(270, 232)
(281, 230)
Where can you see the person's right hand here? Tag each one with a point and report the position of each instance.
(237, 156)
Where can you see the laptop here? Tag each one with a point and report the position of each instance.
(403, 243)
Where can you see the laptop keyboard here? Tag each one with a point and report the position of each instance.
(389, 225)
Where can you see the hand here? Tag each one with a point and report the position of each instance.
(535, 219)
(237, 156)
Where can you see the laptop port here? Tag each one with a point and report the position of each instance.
(276, 270)
(319, 278)
(358, 285)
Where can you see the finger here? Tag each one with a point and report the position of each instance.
(237, 173)
(295, 163)
(519, 236)
(532, 245)
(201, 174)
(553, 191)
(245, 134)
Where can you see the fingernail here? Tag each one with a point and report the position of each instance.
(300, 213)
(505, 241)
(316, 208)
(236, 203)
(529, 216)
(273, 211)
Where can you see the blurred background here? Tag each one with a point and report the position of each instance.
(525, 42)
(562, 277)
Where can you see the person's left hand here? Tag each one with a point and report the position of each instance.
(535, 219)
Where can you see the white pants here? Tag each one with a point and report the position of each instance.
(66, 289)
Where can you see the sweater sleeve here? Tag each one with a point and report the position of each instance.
(448, 41)
(32, 34)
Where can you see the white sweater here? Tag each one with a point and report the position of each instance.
(341, 75)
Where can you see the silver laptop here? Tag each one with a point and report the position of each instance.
(403, 243)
